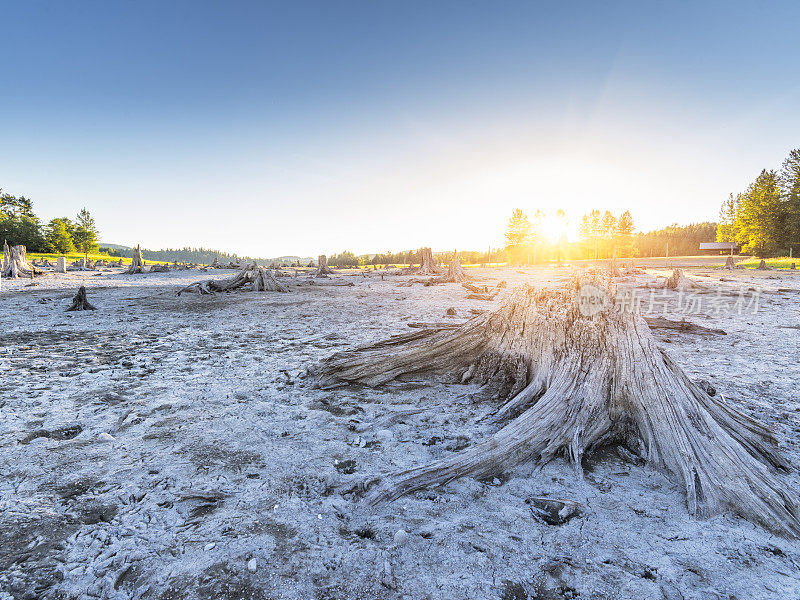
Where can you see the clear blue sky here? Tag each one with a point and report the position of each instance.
(299, 128)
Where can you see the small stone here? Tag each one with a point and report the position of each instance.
(400, 537)
(105, 437)
(252, 565)
(384, 435)
(209, 546)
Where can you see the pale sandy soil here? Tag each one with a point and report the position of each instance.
(216, 407)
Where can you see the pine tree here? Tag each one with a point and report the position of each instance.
(624, 233)
(608, 228)
(761, 215)
(59, 237)
(790, 189)
(84, 235)
(518, 234)
(591, 229)
(726, 229)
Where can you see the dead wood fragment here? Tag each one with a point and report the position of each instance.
(571, 381)
(682, 326)
(553, 511)
(79, 302)
(423, 325)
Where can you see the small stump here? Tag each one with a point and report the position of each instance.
(79, 302)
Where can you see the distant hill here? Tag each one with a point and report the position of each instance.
(198, 255)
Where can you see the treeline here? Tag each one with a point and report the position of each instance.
(765, 218)
(680, 240)
(607, 235)
(19, 225)
(204, 256)
(601, 234)
(348, 259)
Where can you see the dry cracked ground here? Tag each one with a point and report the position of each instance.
(170, 447)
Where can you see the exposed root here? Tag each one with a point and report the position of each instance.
(251, 277)
(80, 302)
(15, 263)
(579, 379)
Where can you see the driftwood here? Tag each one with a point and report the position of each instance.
(442, 325)
(137, 264)
(252, 277)
(15, 263)
(323, 270)
(553, 511)
(159, 269)
(79, 301)
(573, 376)
(682, 326)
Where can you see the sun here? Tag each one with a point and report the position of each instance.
(555, 227)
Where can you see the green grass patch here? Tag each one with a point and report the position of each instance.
(73, 256)
(779, 262)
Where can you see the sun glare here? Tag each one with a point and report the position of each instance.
(555, 228)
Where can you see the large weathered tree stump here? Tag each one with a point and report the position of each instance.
(428, 267)
(575, 372)
(323, 270)
(15, 263)
(251, 277)
(137, 263)
(79, 301)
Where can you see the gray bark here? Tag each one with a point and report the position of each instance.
(571, 382)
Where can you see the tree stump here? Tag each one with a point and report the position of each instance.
(137, 264)
(571, 380)
(79, 301)
(762, 266)
(729, 264)
(15, 262)
(455, 272)
(428, 267)
(322, 269)
(680, 283)
(61, 264)
(255, 278)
